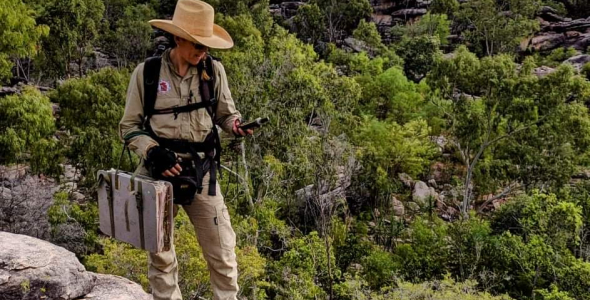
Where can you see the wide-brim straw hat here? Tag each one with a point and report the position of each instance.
(193, 20)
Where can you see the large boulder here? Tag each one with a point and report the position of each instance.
(35, 269)
(423, 194)
(110, 287)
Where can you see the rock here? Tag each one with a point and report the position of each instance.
(70, 186)
(70, 173)
(578, 61)
(34, 269)
(13, 172)
(580, 25)
(438, 172)
(382, 20)
(5, 193)
(406, 179)
(423, 195)
(547, 41)
(413, 206)
(440, 141)
(432, 182)
(289, 9)
(111, 287)
(77, 196)
(398, 207)
(409, 13)
(543, 71)
(550, 14)
(356, 45)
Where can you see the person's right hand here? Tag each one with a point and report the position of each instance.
(163, 161)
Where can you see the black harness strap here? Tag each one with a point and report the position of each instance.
(212, 146)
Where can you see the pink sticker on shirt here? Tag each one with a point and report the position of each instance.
(163, 87)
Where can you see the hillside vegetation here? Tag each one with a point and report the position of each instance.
(432, 150)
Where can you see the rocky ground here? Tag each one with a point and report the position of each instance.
(34, 269)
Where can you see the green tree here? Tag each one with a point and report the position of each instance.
(498, 27)
(367, 32)
(343, 16)
(501, 120)
(91, 109)
(309, 21)
(74, 30)
(27, 123)
(130, 41)
(19, 38)
(418, 54)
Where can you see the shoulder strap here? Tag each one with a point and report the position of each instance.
(151, 76)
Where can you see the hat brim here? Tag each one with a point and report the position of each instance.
(220, 39)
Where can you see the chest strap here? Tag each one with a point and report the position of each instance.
(186, 108)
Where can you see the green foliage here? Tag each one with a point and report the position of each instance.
(74, 29)
(19, 35)
(494, 31)
(388, 149)
(91, 108)
(367, 32)
(303, 270)
(556, 220)
(342, 16)
(490, 105)
(310, 23)
(447, 7)
(446, 289)
(554, 294)
(131, 38)
(556, 57)
(27, 123)
(81, 216)
(426, 254)
(379, 268)
(418, 54)
(436, 25)
(586, 71)
(391, 96)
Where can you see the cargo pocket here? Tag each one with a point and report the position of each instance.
(227, 236)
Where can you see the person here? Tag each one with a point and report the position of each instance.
(173, 127)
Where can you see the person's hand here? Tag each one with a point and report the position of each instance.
(163, 161)
(238, 131)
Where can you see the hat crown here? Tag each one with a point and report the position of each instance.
(196, 17)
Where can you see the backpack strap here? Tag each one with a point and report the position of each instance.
(207, 90)
(151, 77)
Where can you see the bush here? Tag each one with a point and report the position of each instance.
(446, 289)
(91, 109)
(27, 123)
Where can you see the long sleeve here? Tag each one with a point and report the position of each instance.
(226, 113)
(131, 127)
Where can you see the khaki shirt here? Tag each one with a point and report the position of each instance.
(174, 90)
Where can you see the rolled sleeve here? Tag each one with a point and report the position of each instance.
(131, 126)
(226, 113)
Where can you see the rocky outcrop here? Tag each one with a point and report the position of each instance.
(34, 269)
(578, 61)
(558, 32)
(111, 287)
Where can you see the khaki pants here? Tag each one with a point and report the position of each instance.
(210, 218)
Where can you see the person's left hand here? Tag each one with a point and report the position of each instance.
(238, 131)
